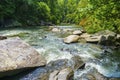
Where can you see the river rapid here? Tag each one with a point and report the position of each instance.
(52, 47)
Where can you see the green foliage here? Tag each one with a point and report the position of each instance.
(43, 11)
(101, 15)
(93, 15)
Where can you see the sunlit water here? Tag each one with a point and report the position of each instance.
(51, 46)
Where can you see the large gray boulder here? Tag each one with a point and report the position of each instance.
(71, 38)
(15, 54)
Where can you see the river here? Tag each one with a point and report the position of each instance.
(51, 46)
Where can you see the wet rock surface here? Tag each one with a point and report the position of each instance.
(94, 75)
(15, 54)
(71, 39)
(77, 32)
(3, 37)
(55, 70)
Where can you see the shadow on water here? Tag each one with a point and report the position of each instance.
(20, 75)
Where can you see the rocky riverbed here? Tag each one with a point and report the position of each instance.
(66, 58)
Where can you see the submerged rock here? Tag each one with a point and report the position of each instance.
(71, 38)
(3, 37)
(15, 54)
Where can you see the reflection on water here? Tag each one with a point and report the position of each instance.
(51, 46)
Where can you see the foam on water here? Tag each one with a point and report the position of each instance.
(109, 72)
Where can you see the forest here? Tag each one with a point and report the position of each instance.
(93, 15)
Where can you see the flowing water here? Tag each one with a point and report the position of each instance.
(51, 46)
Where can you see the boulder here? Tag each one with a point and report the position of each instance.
(77, 32)
(3, 37)
(85, 35)
(65, 74)
(118, 38)
(53, 75)
(105, 32)
(55, 30)
(77, 63)
(71, 38)
(93, 75)
(54, 70)
(94, 39)
(15, 54)
(108, 37)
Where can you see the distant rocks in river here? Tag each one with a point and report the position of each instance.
(103, 37)
(71, 39)
(77, 32)
(15, 54)
(55, 30)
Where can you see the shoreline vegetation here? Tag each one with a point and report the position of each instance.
(92, 15)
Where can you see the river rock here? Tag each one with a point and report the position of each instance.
(65, 74)
(53, 75)
(77, 62)
(85, 35)
(118, 38)
(93, 75)
(77, 32)
(55, 30)
(71, 38)
(52, 71)
(94, 39)
(15, 54)
(109, 37)
(3, 37)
